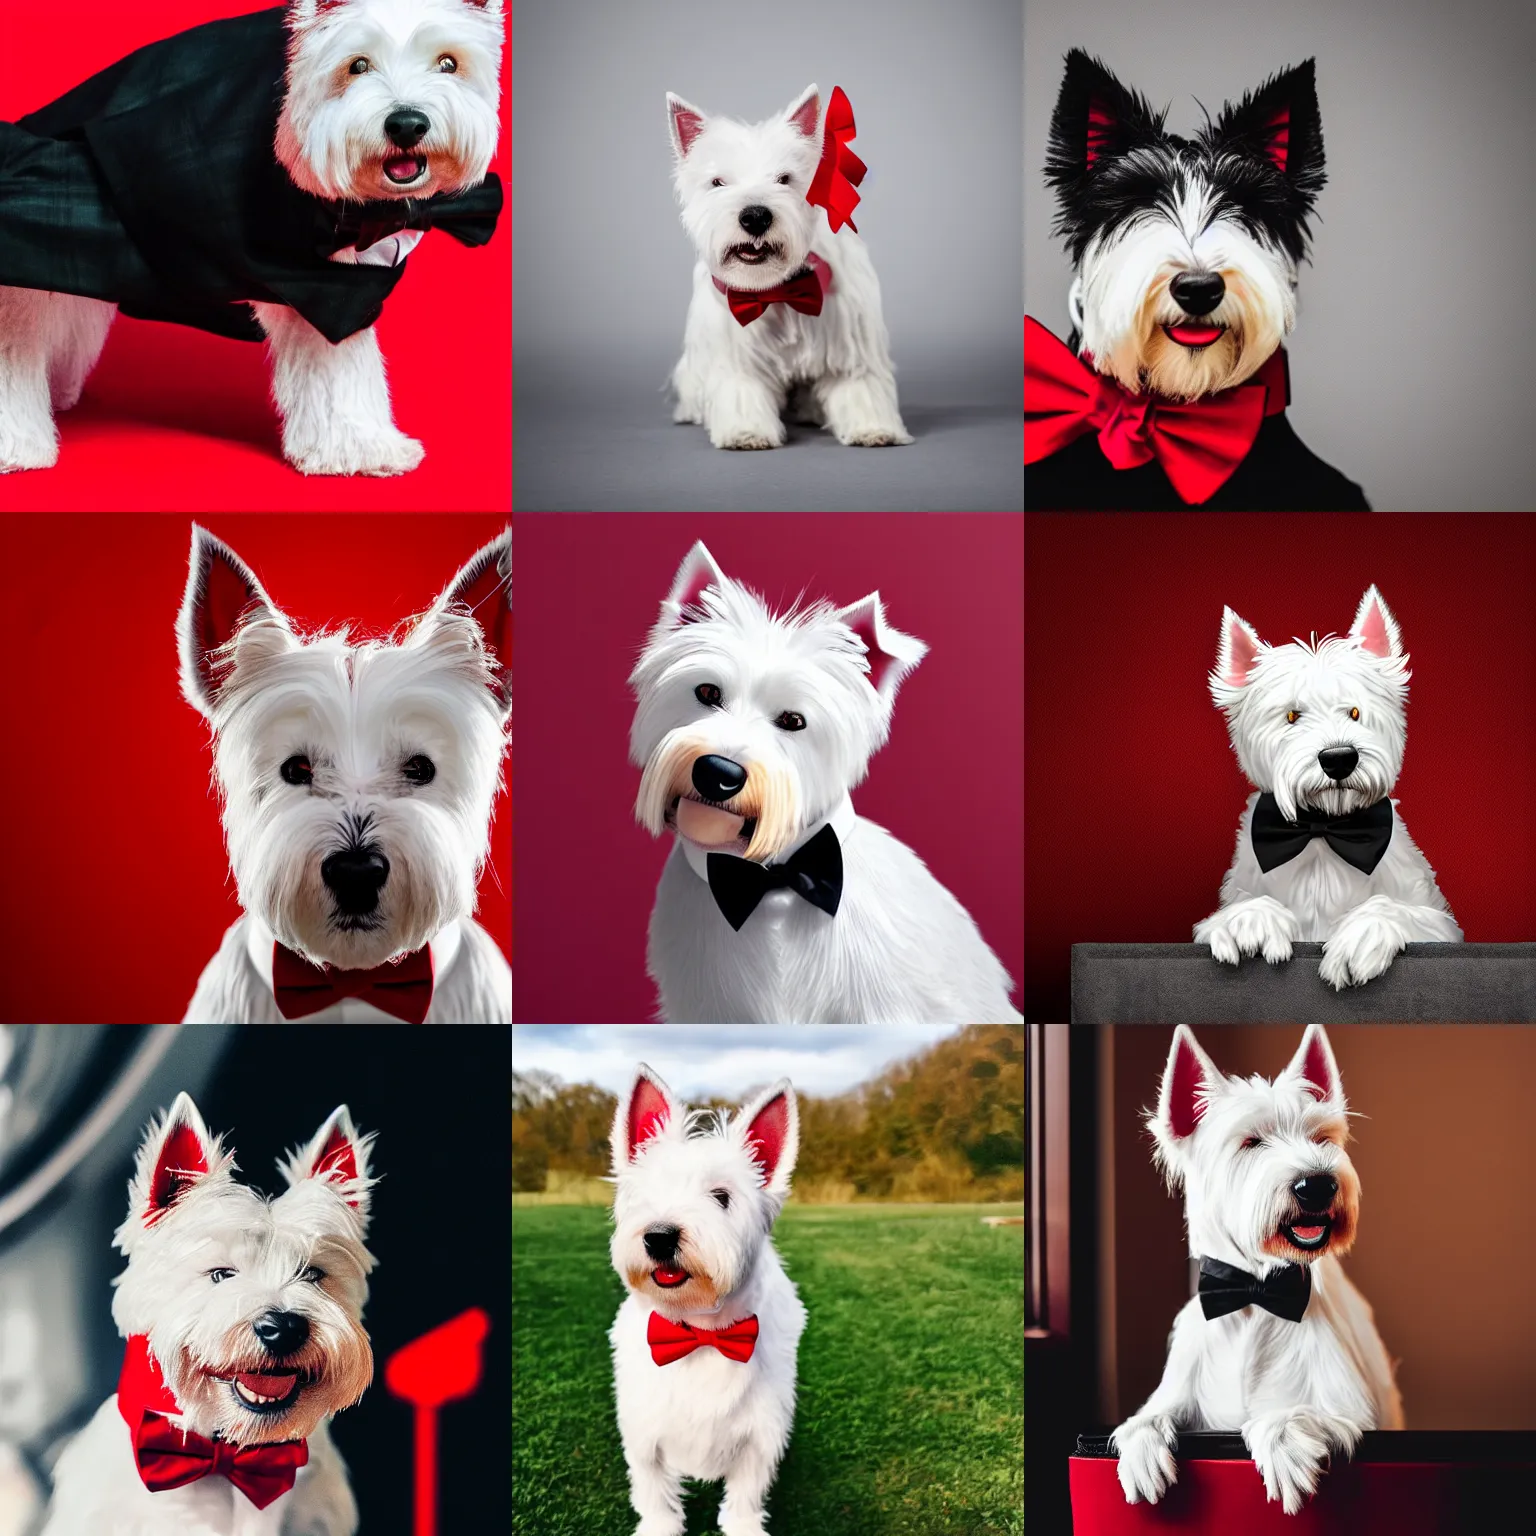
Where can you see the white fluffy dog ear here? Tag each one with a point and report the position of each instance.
(891, 654)
(483, 590)
(1190, 1081)
(1313, 1063)
(1237, 651)
(647, 1110)
(769, 1129)
(222, 596)
(803, 114)
(177, 1154)
(336, 1155)
(682, 604)
(685, 122)
(1375, 628)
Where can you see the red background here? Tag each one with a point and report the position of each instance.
(588, 589)
(116, 888)
(174, 419)
(1133, 791)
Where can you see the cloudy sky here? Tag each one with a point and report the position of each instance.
(700, 1060)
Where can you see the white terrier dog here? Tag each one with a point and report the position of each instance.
(358, 780)
(704, 1344)
(782, 302)
(1278, 1345)
(751, 728)
(244, 1325)
(1322, 854)
(389, 116)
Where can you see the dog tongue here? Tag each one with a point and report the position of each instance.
(1195, 335)
(266, 1386)
(402, 169)
(707, 824)
(667, 1275)
(1308, 1234)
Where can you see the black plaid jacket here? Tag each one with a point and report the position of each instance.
(154, 186)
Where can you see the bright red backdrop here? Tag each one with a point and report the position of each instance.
(174, 419)
(1133, 791)
(588, 589)
(116, 888)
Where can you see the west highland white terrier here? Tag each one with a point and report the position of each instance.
(783, 302)
(1322, 854)
(778, 904)
(1277, 1345)
(243, 1318)
(358, 779)
(704, 1343)
(382, 115)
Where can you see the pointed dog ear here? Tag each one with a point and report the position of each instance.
(803, 114)
(682, 604)
(1313, 1063)
(646, 1111)
(769, 1128)
(1190, 1081)
(685, 122)
(177, 1154)
(483, 589)
(1096, 119)
(337, 1155)
(1238, 650)
(1279, 123)
(891, 654)
(1375, 628)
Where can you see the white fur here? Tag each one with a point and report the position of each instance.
(333, 399)
(1363, 920)
(357, 711)
(736, 380)
(703, 1416)
(198, 1328)
(900, 948)
(1297, 1392)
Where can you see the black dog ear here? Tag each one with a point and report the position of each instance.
(1280, 124)
(1096, 119)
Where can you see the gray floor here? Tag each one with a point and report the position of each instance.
(624, 453)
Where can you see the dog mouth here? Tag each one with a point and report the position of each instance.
(754, 253)
(267, 1392)
(1309, 1233)
(710, 824)
(1195, 335)
(405, 170)
(356, 922)
(669, 1276)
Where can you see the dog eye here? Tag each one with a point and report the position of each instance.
(297, 771)
(359, 67)
(708, 693)
(312, 1276)
(717, 182)
(1292, 716)
(419, 770)
(783, 181)
(790, 721)
(722, 1198)
(1354, 714)
(218, 1275)
(1250, 1142)
(448, 65)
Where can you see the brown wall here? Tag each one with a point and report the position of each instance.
(1446, 1150)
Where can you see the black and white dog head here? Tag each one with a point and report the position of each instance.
(1186, 250)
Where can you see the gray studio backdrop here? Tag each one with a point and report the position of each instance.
(1410, 360)
(602, 268)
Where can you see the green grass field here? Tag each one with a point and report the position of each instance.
(911, 1411)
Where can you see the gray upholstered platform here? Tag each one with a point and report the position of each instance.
(1181, 984)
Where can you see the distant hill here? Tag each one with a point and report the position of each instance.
(946, 1124)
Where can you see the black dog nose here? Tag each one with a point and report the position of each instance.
(718, 778)
(407, 127)
(661, 1243)
(1338, 762)
(281, 1332)
(756, 219)
(1197, 293)
(355, 876)
(1315, 1192)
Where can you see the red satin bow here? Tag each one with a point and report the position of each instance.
(670, 1341)
(834, 186)
(400, 988)
(1199, 443)
(168, 1458)
(804, 291)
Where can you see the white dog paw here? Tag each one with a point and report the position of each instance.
(1146, 1468)
(1290, 1452)
(748, 437)
(742, 1525)
(1360, 949)
(1257, 926)
(380, 454)
(18, 453)
(660, 1526)
(874, 437)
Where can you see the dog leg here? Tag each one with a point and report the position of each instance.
(860, 410)
(28, 437)
(1370, 937)
(1291, 1446)
(656, 1494)
(742, 412)
(746, 1490)
(1257, 925)
(79, 333)
(1144, 1444)
(334, 400)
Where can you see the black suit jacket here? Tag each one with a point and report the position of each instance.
(154, 185)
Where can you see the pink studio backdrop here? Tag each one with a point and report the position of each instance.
(949, 782)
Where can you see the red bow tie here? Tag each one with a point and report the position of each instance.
(839, 172)
(401, 988)
(167, 1458)
(804, 291)
(670, 1341)
(1198, 442)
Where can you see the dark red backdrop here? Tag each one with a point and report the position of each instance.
(116, 888)
(1133, 791)
(175, 419)
(588, 589)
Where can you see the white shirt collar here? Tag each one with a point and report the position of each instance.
(842, 820)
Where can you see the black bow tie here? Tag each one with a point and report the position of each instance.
(1360, 838)
(814, 872)
(470, 217)
(1284, 1291)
